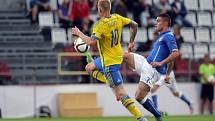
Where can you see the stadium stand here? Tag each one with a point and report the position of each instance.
(202, 35)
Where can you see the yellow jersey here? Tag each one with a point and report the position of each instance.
(107, 31)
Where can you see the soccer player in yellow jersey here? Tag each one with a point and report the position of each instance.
(107, 35)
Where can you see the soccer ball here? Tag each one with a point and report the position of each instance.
(80, 46)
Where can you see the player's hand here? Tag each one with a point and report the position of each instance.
(131, 47)
(156, 64)
(75, 31)
(167, 79)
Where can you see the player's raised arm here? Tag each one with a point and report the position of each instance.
(133, 31)
(88, 40)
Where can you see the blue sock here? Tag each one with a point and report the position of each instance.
(185, 99)
(148, 105)
(155, 101)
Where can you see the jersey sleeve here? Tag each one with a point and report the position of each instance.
(96, 33)
(125, 21)
(171, 43)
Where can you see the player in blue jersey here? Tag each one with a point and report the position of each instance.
(152, 68)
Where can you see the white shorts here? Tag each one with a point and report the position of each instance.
(148, 75)
(172, 86)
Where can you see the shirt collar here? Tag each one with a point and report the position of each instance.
(161, 33)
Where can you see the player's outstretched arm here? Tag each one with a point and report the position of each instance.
(133, 31)
(85, 38)
(171, 57)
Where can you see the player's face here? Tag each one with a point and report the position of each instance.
(159, 24)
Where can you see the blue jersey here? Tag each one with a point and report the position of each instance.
(162, 48)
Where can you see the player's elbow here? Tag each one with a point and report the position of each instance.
(176, 54)
(134, 25)
(92, 43)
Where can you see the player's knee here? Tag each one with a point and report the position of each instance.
(154, 88)
(89, 67)
(176, 94)
(125, 55)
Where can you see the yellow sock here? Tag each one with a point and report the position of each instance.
(99, 76)
(130, 105)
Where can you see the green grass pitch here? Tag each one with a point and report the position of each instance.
(169, 118)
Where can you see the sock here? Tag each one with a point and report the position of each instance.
(88, 57)
(185, 99)
(129, 104)
(99, 76)
(148, 105)
(155, 101)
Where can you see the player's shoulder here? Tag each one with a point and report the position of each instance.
(98, 23)
(169, 36)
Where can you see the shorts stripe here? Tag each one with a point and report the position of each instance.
(109, 77)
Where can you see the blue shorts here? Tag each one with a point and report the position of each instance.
(112, 73)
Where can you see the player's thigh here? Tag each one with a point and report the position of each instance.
(113, 75)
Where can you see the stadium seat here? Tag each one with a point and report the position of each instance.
(141, 35)
(212, 51)
(191, 4)
(200, 50)
(155, 1)
(126, 35)
(213, 18)
(69, 35)
(46, 19)
(204, 19)
(181, 67)
(202, 34)
(206, 4)
(188, 34)
(150, 33)
(58, 35)
(191, 16)
(150, 2)
(213, 35)
(54, 4)
(93, 17)
(186, 51)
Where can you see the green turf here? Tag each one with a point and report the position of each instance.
(169, 118)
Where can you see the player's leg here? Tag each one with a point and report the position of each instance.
(115, 82)
(210, 98)
(140, 65)
(95, 69)
(154, 89)
(154, 95)
(203, 98)
(210, 106)
(175, 91)
(141, 97)
(202, 105)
